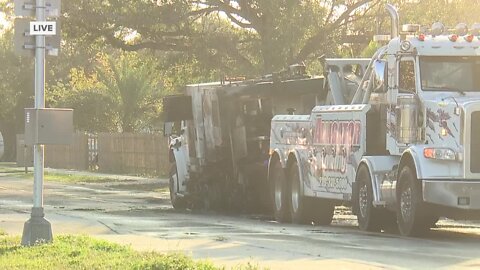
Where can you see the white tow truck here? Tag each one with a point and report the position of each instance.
(402, 149)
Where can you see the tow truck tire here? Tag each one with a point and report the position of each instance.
(178, 203)
(412, 218)
(298, 204)
(369, 218)
(279, 187)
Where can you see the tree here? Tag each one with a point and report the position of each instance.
(449, 12)
(135, 89)
(16, 93)
(159, 26)
(260, 35)
(293, 31)
(94, 109)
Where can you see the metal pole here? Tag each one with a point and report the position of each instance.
(37, 228)
(38, 151)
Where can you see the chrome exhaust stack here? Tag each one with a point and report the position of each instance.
(392, 11)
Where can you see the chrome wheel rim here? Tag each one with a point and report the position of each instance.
(406, 204)
(295, 194)
(363, 200)
(278, 193)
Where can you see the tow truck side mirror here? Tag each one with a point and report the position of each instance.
(380, 76)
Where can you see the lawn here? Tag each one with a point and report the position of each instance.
(11, 169)
(83, 252)
(74, 178)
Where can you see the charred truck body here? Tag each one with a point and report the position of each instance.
(220, 136)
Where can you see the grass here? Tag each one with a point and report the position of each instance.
(83, 252)
(10, 167)
(13, 170)
(82, 177)
(67, 178)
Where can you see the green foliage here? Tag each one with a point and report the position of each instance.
(448, 12)
(294, 31)
(223, 50)
(370, 50)
(16, 92)
(82, 252)
(181, 42)
(228, 37)
(69, 178)
(94, 108)
(15, 77)
(135, 87)
(123, 93)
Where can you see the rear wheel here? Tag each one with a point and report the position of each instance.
(412, 217)
(279, 191)
(298, 206)
(369, 218)
(179, 203)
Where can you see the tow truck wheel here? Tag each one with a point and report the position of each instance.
(369, 218)
(178, 203)
(279, 191)
(411, 216)
(298, 211)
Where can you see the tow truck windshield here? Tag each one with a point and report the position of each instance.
(459, 74)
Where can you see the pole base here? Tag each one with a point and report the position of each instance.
(37, 230)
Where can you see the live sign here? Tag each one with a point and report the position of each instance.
(48, 28)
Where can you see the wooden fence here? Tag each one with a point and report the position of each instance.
(133, 153)
(105, 152)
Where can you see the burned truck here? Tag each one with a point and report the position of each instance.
(219, 137)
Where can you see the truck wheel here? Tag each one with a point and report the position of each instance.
(279, 191)
(178, 203)
(411, 216)
(320, 211)
(298, 211)
(369, 218)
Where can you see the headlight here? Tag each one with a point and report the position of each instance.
(405, 46)
(440, 153)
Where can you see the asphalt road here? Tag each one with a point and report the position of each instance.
(137, 212)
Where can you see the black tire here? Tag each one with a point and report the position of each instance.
(369, 218)
(320, 211)
(298, 206)
(279, 191)
(412, 217)
(178, 203)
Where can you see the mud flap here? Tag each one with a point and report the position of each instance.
(355, 206)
